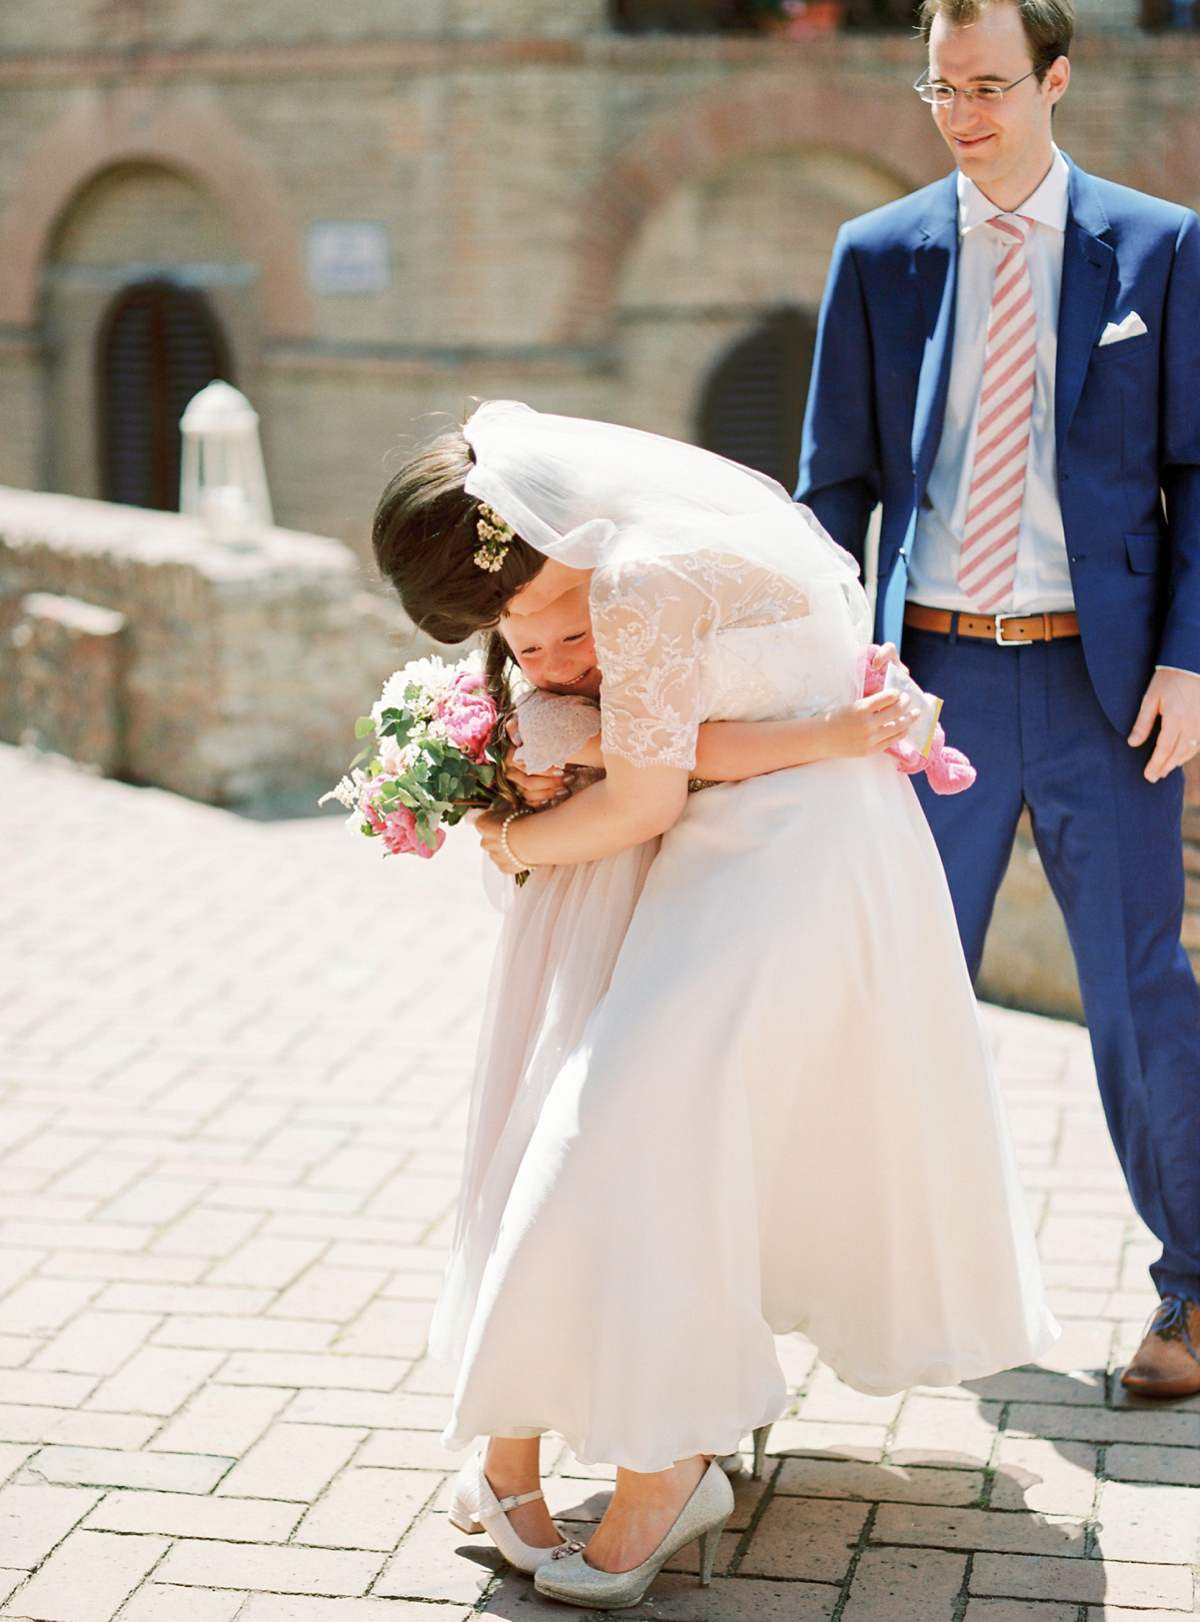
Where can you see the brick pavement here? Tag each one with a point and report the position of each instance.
(234, 1065)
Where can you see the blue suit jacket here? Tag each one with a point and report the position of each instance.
(1127, 416)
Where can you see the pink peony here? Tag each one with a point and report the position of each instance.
(398, 830)
(469, 714)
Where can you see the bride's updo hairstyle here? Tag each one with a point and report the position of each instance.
(425, 536)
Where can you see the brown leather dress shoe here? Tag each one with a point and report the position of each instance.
(1167, 1363)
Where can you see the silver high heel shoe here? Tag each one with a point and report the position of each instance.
(731, 1463)
(475, 1508)
(568, 1577)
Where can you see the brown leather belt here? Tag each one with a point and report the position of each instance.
(1007, 629)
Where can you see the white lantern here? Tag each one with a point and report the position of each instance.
(222, 478)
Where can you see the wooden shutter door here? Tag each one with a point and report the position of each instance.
(753, 407)
(159, 347)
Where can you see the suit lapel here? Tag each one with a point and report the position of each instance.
(1088, 264)
(935, 265)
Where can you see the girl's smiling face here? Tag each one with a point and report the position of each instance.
(554, 646)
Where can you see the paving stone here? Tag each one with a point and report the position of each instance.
(294, 1608)
(400, 1410)
(222, 1419)
(282, 1568)
(185, 1515)
(1171, 1429)
(942, 1430)
(34, 1387)
(828, 1478)
(678, 1599)
(96, 1342)
(1154, 1523)
(189, 1298)
(1090, 1582)
(292, 1461)
(368, 1509)
(410, 1450)
(827, 1436)
(34, 1519)
(138, 1269)
(438, 1562)
(42, 1305)
(1056, 1478)
(1019, 1610)
(904, 1585)
(1178, 1465)
(331, 1293)
(107, 1467)
(1123, 1613)
(829, 1399)
(81, 1428)
(156, 1381)
(1040, 1385)
(938, 1528)
(314, 1370)
(87, 1577)
(208, 1233)
(245, 1334)
(388, 1328)
(805, 1538)
(159, 1602)
(264, 1261)
(1083, 1344)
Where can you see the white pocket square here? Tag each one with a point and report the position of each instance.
(1132, 327)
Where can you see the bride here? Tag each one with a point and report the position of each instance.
(781, 1115)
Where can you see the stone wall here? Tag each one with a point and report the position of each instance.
(130, 640)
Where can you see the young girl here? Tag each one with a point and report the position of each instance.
(781, 1114)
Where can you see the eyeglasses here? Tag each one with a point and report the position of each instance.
(988, 95)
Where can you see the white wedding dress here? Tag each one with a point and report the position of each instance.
(781, 1113)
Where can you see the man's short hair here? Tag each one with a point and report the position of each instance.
(1048, 24)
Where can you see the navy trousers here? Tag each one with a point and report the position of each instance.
(1111, 846)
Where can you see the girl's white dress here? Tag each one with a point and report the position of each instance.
(781, 1113)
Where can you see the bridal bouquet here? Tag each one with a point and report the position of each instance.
(435, 756)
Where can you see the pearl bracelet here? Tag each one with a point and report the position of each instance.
(522, 867)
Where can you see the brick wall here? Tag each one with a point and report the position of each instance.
(539, 196)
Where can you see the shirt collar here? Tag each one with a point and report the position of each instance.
(1048, 205)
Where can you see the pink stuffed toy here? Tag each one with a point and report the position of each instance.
(948, 770)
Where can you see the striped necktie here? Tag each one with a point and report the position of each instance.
(988, 560)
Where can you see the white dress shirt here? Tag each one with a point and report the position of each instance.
(1042, 582)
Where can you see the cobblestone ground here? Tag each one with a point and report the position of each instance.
(234, 1067)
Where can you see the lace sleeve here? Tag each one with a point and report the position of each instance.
(650, 621)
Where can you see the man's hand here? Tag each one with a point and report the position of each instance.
(1172, 699)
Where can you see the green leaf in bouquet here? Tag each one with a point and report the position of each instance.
(398, 726)
(364, 726)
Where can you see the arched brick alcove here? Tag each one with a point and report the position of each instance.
(695, 136)
(180, 130)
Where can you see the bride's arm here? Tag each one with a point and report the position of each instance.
(631, 804)
(731, 751)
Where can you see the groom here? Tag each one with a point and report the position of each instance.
(1009, 360)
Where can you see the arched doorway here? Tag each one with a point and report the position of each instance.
(752, 409)
(159, 345)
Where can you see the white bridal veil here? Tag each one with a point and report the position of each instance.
(592, 493)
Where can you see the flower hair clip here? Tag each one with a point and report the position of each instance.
(495, 538)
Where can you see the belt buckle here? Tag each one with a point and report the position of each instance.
(1000, 639)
